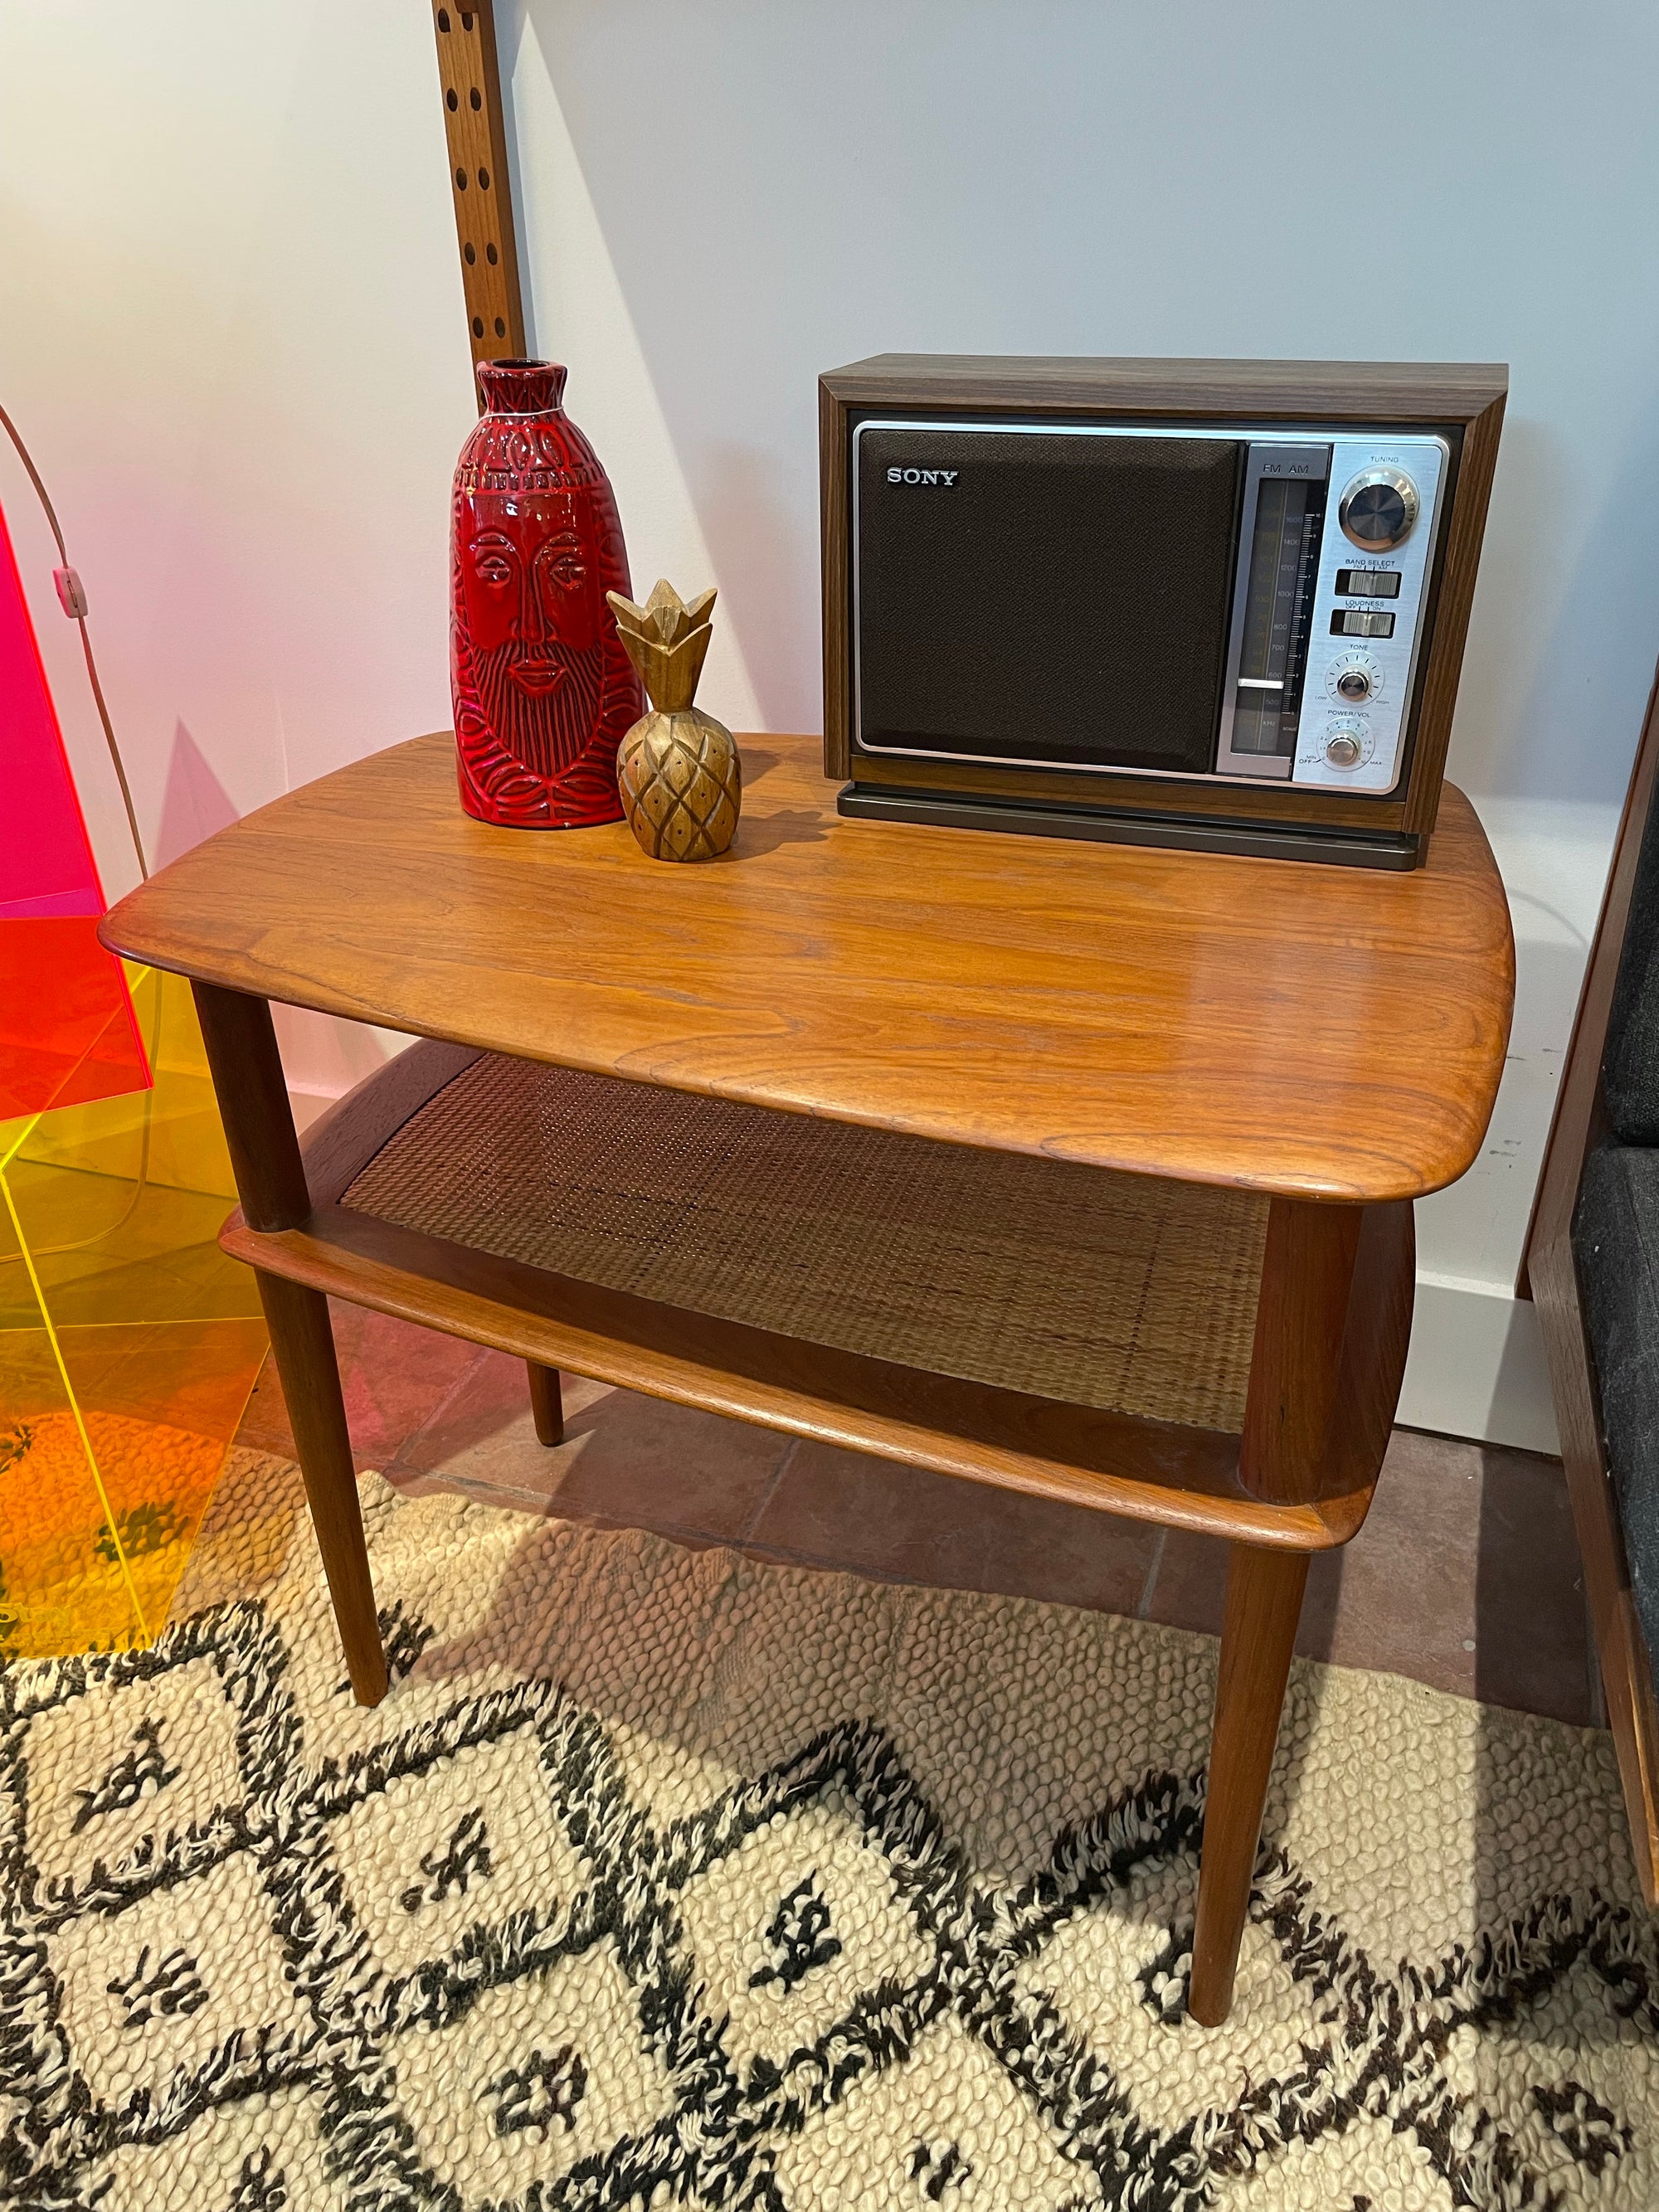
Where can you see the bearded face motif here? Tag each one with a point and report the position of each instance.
(532, 609)
(542, 688)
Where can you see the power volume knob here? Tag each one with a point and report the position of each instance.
(1343, 749)
(1378, 511)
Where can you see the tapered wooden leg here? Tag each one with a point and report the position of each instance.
(546, 1403)
(303, 1342)
(271, 1179)
(1264, 1604)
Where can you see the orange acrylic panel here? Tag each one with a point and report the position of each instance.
(129, 1344)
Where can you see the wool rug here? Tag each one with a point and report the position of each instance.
(668, 1877)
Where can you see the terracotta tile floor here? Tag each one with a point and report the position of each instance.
(1465, 1576)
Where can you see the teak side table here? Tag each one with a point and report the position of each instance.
(1086, 1170)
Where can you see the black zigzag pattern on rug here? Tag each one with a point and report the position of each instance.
(1382, 2051)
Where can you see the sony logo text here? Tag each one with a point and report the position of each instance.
(922, 476)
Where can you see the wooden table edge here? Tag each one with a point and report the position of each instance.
(121, 932)
(1300, 1188)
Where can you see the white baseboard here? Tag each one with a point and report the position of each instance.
(1477, 1367)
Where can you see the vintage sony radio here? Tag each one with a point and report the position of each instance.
(1207, 603)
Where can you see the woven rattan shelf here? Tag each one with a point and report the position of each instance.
(1121, 1292)
(1025, 1321)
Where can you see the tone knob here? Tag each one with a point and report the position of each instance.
(1354, 684)
(1378, 510)
(1344, 749)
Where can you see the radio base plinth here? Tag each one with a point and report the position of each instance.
(1261, 841)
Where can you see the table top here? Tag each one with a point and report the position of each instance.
(1286, 1026)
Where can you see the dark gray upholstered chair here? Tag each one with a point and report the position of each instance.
(1593, 1266)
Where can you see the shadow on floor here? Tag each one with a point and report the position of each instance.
(1466, 1577)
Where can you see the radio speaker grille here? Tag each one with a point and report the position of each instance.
(1048, 568)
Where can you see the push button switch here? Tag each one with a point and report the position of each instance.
(1368, 583)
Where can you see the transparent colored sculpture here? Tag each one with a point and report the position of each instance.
(128, 1342)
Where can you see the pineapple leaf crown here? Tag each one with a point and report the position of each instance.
(666, 640)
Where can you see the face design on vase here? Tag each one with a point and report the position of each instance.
(532, 614)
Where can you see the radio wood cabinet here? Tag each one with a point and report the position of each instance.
(1215, 604)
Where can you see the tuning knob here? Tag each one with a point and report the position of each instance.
(1378, 510)
(1345, 748)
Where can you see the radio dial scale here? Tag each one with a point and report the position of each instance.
(1305, 701)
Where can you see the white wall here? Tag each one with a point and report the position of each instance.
(231, 324)
(231, 330)
(719, 202)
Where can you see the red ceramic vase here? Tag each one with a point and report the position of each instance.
(542, 686)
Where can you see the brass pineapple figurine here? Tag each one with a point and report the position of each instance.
(677, 768)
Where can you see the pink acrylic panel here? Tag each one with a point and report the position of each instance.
(67, 1031)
